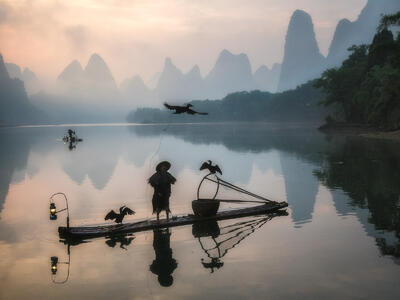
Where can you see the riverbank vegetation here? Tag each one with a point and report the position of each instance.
(298, 105)
(366, 88)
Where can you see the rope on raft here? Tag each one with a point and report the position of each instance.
(229, 185)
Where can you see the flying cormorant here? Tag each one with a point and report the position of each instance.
(183, 109)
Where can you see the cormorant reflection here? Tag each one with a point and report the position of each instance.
(217, 241)
(164, 264)
(123, 240)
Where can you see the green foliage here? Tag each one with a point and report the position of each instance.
(339, 84)
(389, 20)
(366, 88)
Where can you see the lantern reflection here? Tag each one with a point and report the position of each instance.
(54, 262)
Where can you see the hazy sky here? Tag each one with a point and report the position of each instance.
(134, 36)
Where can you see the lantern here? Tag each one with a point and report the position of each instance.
(53, 211)
(54, 262)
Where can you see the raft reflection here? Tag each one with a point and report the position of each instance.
(216, 241)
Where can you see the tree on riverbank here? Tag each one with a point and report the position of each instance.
(366, 88)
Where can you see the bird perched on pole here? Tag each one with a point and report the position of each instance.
(123, 211)
(183, 109)
(208, 165)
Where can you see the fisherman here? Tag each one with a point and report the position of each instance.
(161, 182)
(71, 134)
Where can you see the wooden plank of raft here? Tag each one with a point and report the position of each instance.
(98, 231)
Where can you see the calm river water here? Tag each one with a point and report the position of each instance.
(340, 239)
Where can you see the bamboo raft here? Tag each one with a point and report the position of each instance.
(113, 229)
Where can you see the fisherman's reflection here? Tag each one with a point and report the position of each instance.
(71, 146)
(164, 264)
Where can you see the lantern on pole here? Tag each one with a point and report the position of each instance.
(53, 209)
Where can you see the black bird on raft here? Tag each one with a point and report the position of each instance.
(208, 165)
(123, 211)
(184, 109)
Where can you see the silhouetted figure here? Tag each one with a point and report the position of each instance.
(123, 211)
(213, 169)
(123, 240)
(164, 264)
(161, 182)
(183, 109)
(71, 134)
(71, 137)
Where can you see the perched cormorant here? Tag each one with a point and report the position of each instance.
(123, 211)
(183, 109)
(213, 169)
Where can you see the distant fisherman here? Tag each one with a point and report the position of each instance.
(71, 134)
(161, 182)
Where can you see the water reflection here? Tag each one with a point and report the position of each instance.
(164, 264)
(342, 191)
(368, 172)
(217, 241)
(123, 240)
(55, 262)
(14, 151)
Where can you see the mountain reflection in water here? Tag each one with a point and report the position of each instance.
(342, 191)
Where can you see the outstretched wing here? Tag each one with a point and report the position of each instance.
(128, 211)
(202, 113)
(171, 107)
(111, 215)
(218, 169)
(204, 166)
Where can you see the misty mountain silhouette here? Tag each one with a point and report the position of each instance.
(98, 73)
(267, 79)
(91, 95)
(361, 31)
(72, 73)
(95, 76)
(135, 90)
(15, 107)
(170, 85)
(231, 73)
(29, 78)
(302, 60)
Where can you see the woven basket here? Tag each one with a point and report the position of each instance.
(205, 207)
